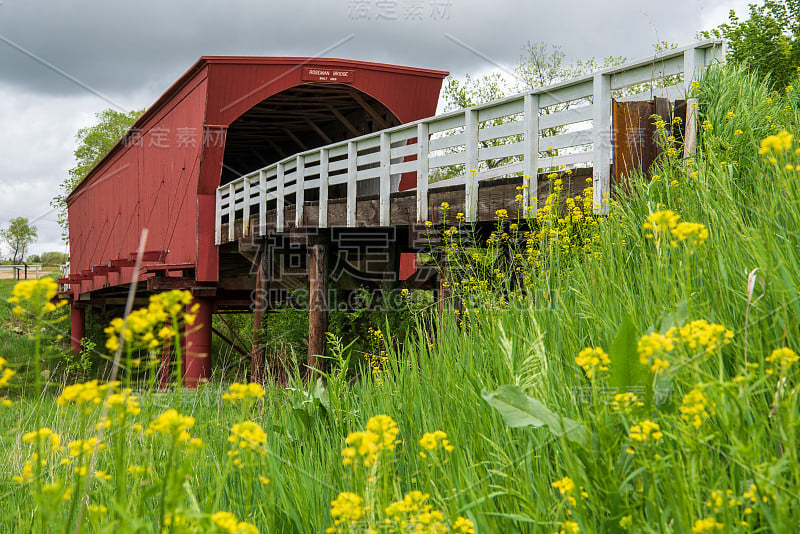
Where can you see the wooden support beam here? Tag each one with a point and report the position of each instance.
(296, 139)
(318, 304)
(347, 124)
(227, 340)
(319, 131)
(382, 124)
(274, 146)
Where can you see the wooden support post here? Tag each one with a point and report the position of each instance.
(693, 66)
(317, 303)
(422, 172)
(471, 164)
(198, 344)
(257, 356)
(601, 141)
(77, 326)
(530, 163)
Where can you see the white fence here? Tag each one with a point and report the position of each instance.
(500, 138)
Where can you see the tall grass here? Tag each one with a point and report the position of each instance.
(743, 277)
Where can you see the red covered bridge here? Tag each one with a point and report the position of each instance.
(258, 173)
(223, 118)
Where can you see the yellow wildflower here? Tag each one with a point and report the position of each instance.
(172, 424)
(646, 431)
(244, 392)
(228, 523)
(593, 360)
(248, 435)
(696, 407)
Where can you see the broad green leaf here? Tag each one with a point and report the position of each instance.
(518, 410)
(625, 370)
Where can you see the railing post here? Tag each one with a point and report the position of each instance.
(471, 147)
(323, 188)
(530, 163)
(384, 206)
(218, 221)
(300, 190)
(601, 141)
(352, 184)
(262, 202)
(231, 209)
(246, 207)
(422, 172)
(280, 200)
(694, 62)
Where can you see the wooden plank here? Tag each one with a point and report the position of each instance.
(385, 180)
(550, 96)
(454, 158)
(447, 122)
(352, 177)
(422, 172)
(487, 112)
(246, 204)
(471, 160)
(449, 141)
(502, 130)
(323, 188)
(646, 73)
(562, 118)
(565, 140)
(501, 151)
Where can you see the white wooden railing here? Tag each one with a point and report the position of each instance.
(507, 132)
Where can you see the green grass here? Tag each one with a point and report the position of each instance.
(498, 476)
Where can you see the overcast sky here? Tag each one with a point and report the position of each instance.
(61, 62)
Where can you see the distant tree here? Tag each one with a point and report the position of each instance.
(53, 258)
(769, 39)
(34, 258)
(19, 234)
(94, 142)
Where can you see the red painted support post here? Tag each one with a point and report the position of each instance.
(77, 326)
(198, 344)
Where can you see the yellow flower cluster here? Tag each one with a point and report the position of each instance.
(646, 431)
(661, 222)
(227, 522)
(244, 392)
(7, 373)
(380, 435)
(709, 524)
(569, 527)
(566, 487)
(694, 234)
(147, 328)
(87, 394)
(171, 424)
(84, 447)
(414, 514)
(248, 435)
(43, 436)
(665, 225)
(626, 402)
(346, 509)
(35, 297)
(593, 360)
(776, 143)
(783, 358)
(696, 407)
(701, 334)
(432, 441)
(651, 347)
